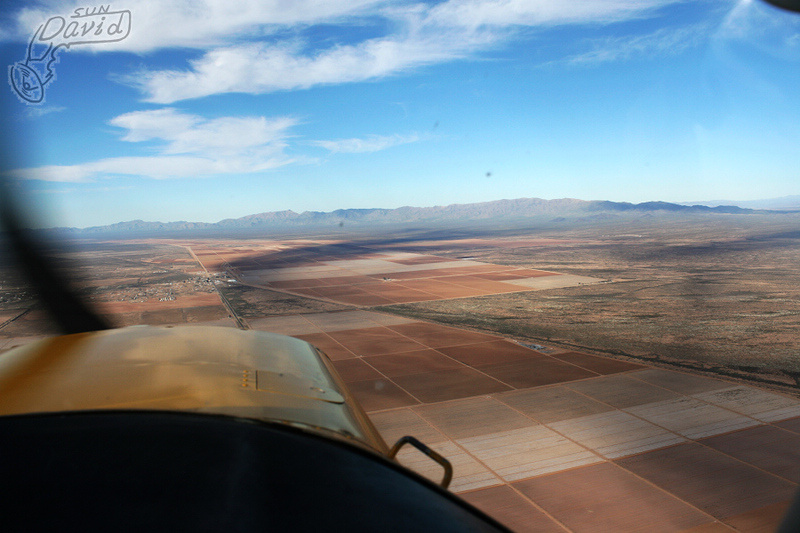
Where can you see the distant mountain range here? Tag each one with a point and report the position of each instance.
(501, 210)
(784, 203)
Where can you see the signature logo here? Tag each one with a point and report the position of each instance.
(94, 25)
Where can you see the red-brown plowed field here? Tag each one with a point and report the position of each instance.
(420, 260)
(515, 274)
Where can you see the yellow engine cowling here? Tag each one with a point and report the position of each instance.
(246, 374)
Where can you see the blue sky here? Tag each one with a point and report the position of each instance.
(217, 109)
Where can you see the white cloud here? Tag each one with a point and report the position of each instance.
(257, 46)
(81, 190)
(202, 24)
(421, 35)
(191, 134)
(260, 68)
(473, 13)
(57, 173)
(666, 41)
(35, 112)
(157, 24)
(189, 146)
(372, 143)
(771, 31)
(156, 167)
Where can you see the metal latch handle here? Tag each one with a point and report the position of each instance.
(444, 463)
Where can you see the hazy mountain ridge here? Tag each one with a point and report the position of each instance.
(519, 208)
(783, 203)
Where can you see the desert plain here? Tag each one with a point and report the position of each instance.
(653, 356)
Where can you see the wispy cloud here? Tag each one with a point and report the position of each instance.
(419, 35)
(475, 13)
(156, 167)
(35, 112)
(81, 190)
(665, 41)
(187, 145)
(261, 68)
(755, 23)
(372, 143)
(256, 46)
(200, 24)
(184, 133)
